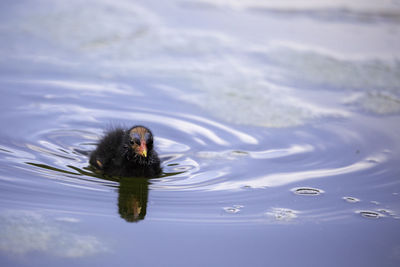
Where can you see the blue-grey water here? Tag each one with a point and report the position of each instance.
(277, 123)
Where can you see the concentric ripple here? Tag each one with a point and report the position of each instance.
(208, 165)
(277, 142)
(205, 163)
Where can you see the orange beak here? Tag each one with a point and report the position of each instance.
(143, 148)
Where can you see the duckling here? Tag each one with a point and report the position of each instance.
(127, 153)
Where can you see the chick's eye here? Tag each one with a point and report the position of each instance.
(134, 141)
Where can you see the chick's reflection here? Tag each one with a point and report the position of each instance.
(132, 199)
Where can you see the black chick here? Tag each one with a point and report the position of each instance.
(127, 153)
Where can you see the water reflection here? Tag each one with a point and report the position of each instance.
(26, 232)
(132, 199)
(133, 196)
(133, 193)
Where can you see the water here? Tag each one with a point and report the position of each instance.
(277, 124)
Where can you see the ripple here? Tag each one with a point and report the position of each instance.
(180, 165)
(48, 152)
(164, 144)
(71, 176)
(147, 70)
(4, 150)
(86, 88)
(278, 179)
(62, 154)
(198, 181)
(229, 155)
(200, 176)
(178, 121)
(16, 154)
(192, 175)
(245, 95)
(283, 152)
(244, 137)
(265, 154)
(370, 214)
(351, 199)
(147, 38)
(307, 191)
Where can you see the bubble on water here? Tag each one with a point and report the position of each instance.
(282, 214)
(307, 191)
(351, 199)
(387, 212)
(246, 187)
(234, 209)
(372, 160)
(370, 214)
(238, 153)
(375, 202)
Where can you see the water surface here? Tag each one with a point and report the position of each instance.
(277, 124)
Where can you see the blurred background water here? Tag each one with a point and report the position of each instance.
(277, 123)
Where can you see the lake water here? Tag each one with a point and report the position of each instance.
(277, 123)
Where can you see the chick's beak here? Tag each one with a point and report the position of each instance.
(143, 149)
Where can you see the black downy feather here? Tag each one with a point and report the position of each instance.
(115, 156)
